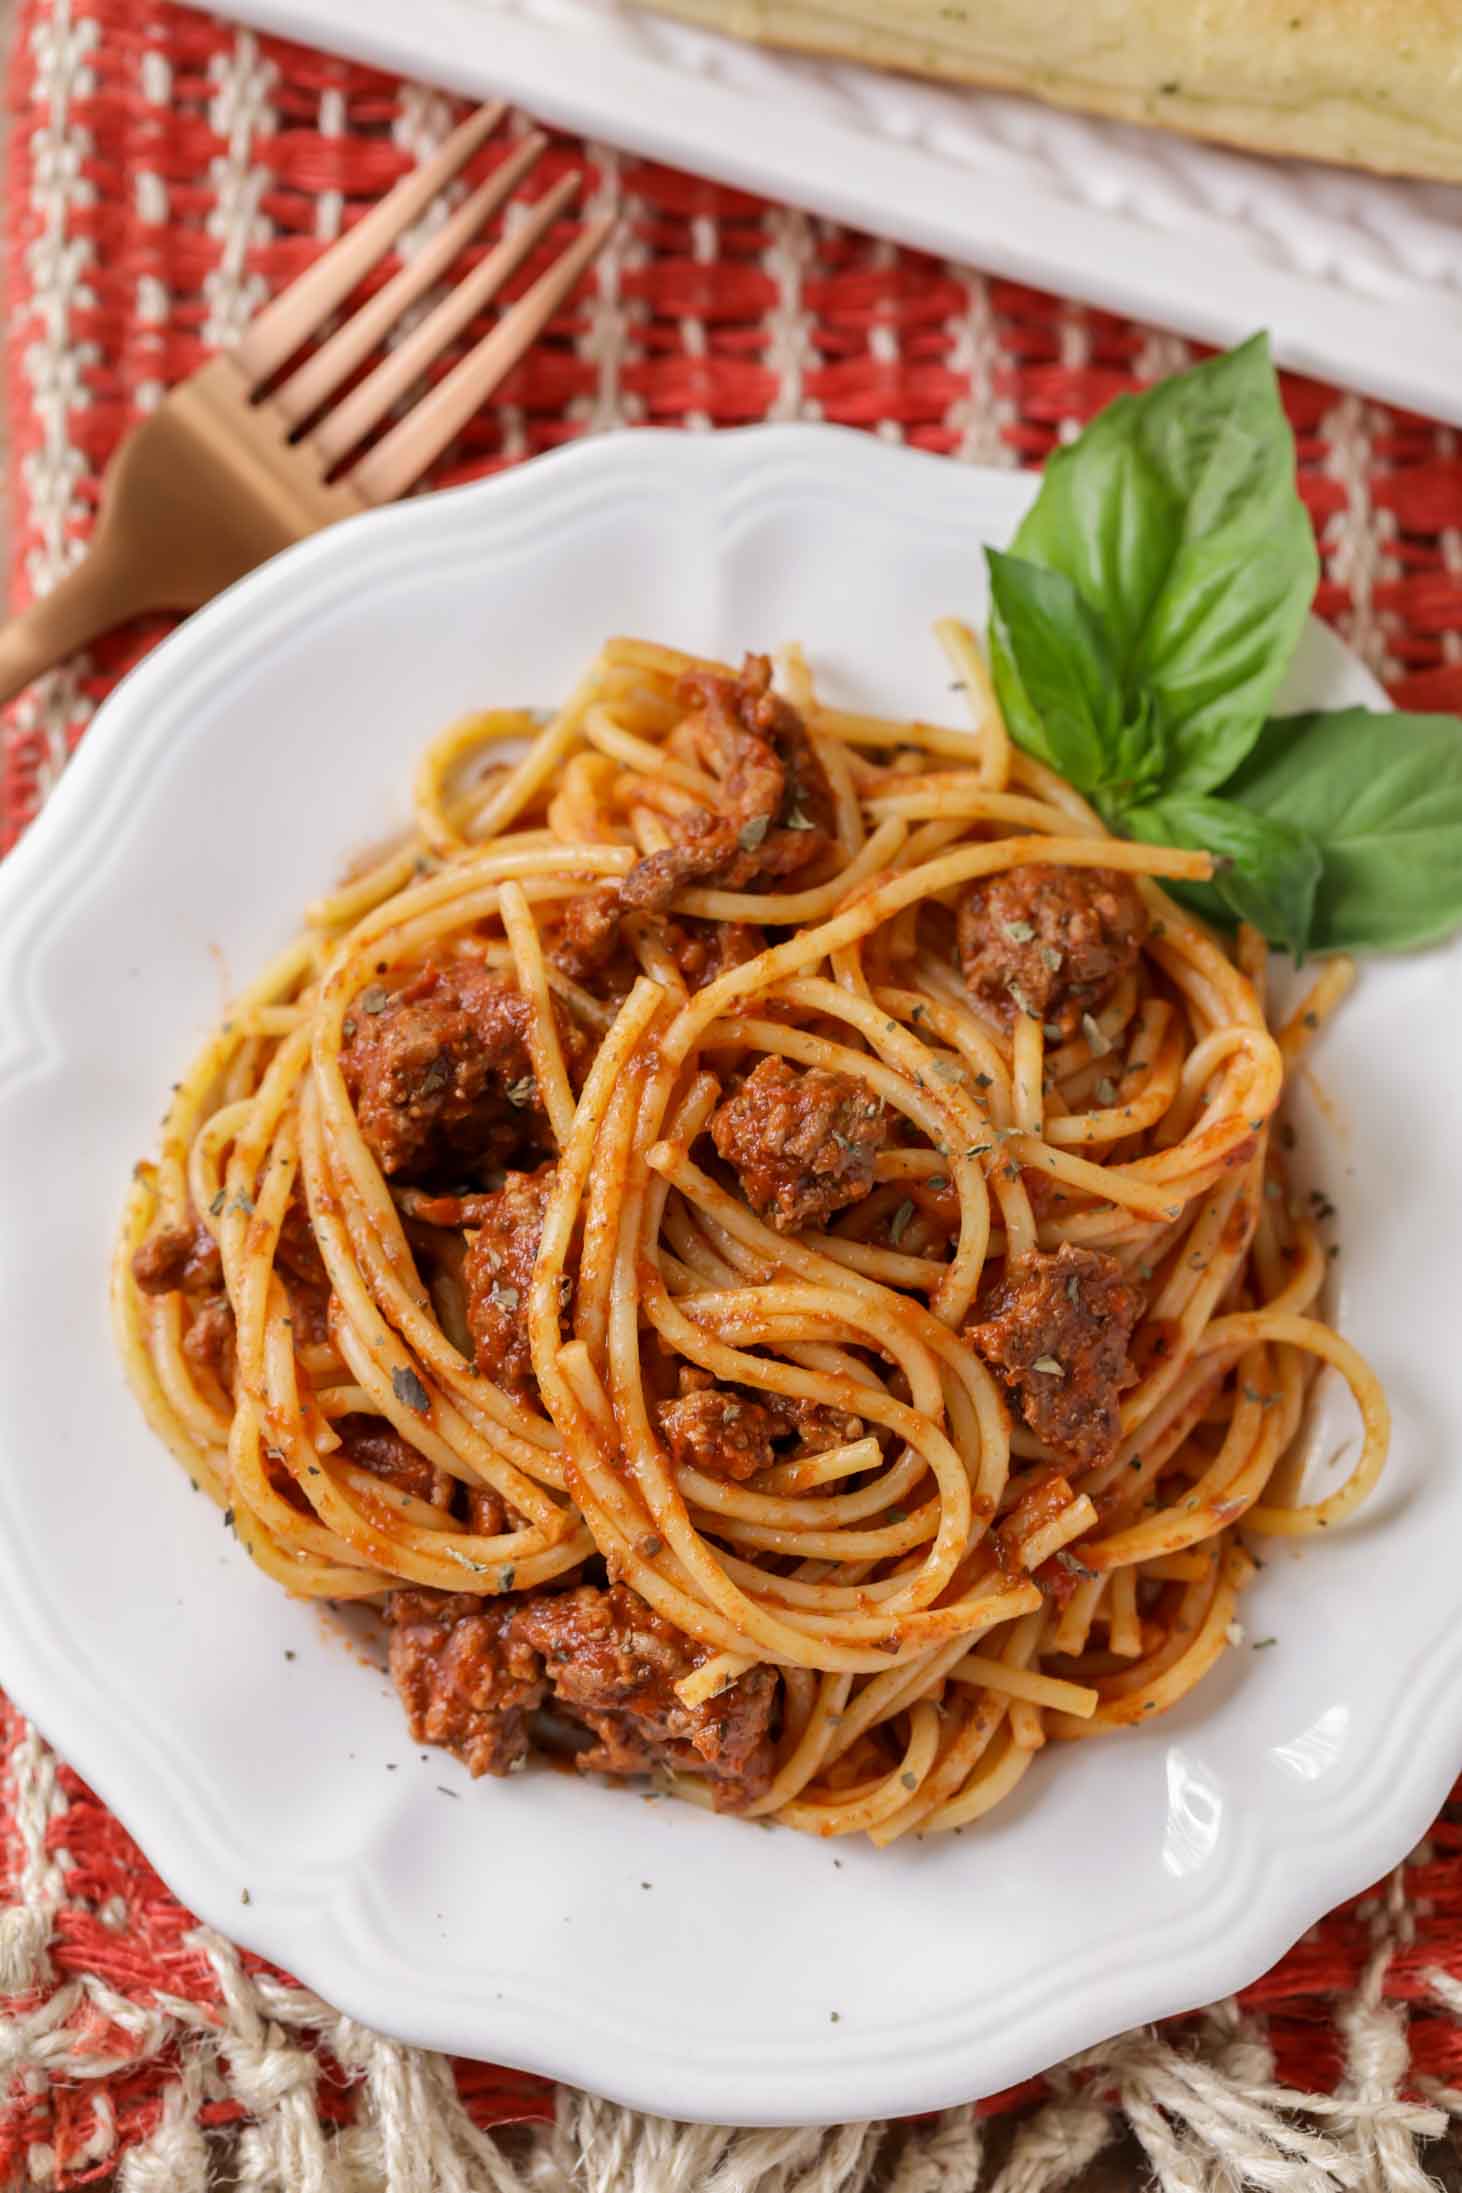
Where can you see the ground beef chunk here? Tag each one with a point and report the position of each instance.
(774, 816)
(591, 947)
(718, 1431)
(185, 1260)
(211, 1338)
(771, 1427)
(485, 1511)
(297, 1250)
(371, 1443)
(590, 942)
(812, 1426)
(803, 1140)
(703, 845)
(499, 1271)
(467, 1682)
(702, 950)
(177, 1258)
(439, 1073)
(1056, 1330)
(1054, 942)
(613, 1663)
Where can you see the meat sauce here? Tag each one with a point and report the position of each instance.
(774, 814)
(592, 948)
(470, 1675)
(1056, 1331)
(704, 950)
(590, 941)
(439, 1071)
(182, 1259)
(466, 1681)
(438, 1067)
(186, 1260)
(370, 1443)
(1049, 941)
(804, 1140)
(498, 1272)
(718, 1432)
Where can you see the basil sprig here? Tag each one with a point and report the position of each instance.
(1140, 629)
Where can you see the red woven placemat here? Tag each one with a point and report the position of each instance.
(168, 171)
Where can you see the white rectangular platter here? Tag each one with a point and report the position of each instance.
(1359, 280)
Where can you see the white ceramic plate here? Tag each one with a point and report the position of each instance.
(1358, 279)
(1131, 1877)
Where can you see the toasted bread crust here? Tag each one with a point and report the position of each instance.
(1371, 83)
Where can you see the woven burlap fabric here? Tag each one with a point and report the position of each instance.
(168, 171)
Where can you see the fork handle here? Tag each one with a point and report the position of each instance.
(88, 601)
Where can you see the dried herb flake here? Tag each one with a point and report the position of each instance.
(409, 1390)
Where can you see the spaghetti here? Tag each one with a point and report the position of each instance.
(758, 1234)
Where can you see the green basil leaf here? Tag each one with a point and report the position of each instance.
(1175, 515)
(1141, 758)
(1270, 871)
(1053, 670)
(1381, 795)
(1021, 719)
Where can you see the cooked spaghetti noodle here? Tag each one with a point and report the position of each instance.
(759, 1235)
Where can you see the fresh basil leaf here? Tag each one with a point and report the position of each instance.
(1381, 795)
(1270, 869)
(1021, 719)
(1141, 761)
(1053, 670)
(1175, 515)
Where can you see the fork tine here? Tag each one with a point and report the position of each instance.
(389, 469)
(308, 387)
(277, 332)
(337, 434)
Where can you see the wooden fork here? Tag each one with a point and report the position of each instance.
(220, 475)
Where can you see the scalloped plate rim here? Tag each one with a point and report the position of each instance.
(1240, 1922)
